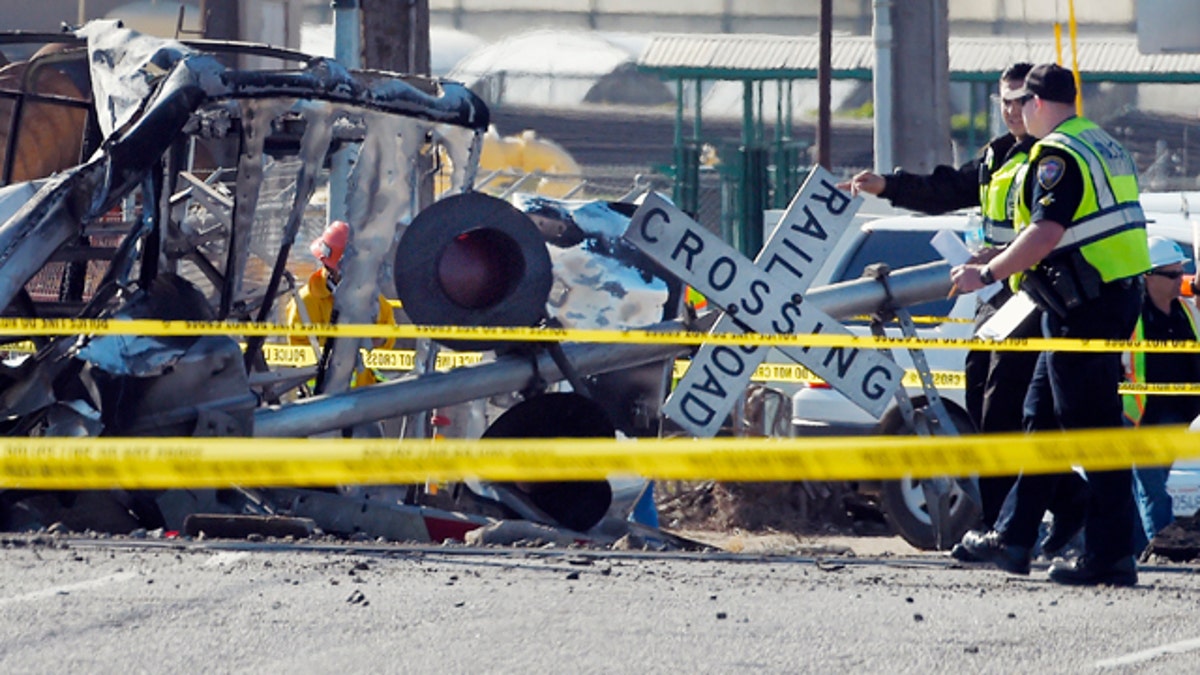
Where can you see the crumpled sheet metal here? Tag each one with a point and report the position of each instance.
(600, 281)
(132, 355)
(147, 90)
(379, 197)
(127, 69)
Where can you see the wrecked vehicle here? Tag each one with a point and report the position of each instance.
(163, 182)
(150, 178)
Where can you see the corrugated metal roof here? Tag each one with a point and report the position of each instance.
(770, 55)
(738, 57)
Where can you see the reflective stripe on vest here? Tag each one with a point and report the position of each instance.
(1000, 201)
(1100, 224)
(1135, 371)
(1113, 238)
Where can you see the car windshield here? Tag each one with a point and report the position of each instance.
(897, 248)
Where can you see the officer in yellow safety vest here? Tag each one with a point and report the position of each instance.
(316, 296)
(1165, 316)
(1082, 257)
(996, 381)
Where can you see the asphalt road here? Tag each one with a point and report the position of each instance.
(79, 605)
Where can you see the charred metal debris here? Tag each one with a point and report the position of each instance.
(151, 178)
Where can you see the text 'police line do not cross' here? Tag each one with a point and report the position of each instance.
(764, 297)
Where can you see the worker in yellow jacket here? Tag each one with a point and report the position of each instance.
(317, 294)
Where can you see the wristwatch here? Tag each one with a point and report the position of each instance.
(985, 276)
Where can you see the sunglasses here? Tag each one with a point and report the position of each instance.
(1170, 274)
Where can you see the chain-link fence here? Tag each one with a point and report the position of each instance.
(1166, 147)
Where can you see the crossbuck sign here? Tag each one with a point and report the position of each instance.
(763, 297)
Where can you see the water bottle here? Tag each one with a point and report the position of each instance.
(974, 236)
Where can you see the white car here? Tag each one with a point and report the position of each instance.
(898, 241)
(903, 241)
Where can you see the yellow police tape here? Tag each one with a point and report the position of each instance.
(376, 359)
(781, 373)
(95, 463)
(298, 356)
(917, 319)
(32, 327)
(794, 373)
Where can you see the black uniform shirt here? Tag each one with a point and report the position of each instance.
(948, 188)
(1163, 367)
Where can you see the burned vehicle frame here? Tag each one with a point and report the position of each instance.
(191, 184)
(197, 111)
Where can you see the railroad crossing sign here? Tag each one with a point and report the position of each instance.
(762, 297)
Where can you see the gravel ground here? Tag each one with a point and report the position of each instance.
(114, 605)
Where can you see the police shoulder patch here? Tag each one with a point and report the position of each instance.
(1050, 171)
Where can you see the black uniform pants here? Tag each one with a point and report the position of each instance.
(1078, 390)
(996, 383)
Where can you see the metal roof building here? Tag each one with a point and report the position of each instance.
(780, 57)
(764, 170)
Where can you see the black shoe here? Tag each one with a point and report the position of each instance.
(1063, 529)
(991, 548)
(1084, 571)
(961, 554)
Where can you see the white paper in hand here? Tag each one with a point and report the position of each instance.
(1007, 318)
(955, 252)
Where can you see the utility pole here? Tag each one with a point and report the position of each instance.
(396, 35)
(824, 74)
(396, 38)
(347, 33)
(219, 19)
(920, 83)
(347, 49)
(881, 85)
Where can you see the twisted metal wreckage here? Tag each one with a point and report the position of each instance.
(197, 182)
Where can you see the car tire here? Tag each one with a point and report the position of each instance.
(903, 501)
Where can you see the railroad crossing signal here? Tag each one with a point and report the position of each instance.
(763, 296)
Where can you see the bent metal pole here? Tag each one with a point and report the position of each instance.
(909, 286)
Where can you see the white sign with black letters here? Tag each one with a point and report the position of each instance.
(799, 244)
(764, 296)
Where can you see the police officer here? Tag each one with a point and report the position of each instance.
(1164, 317)
(995, 381)
(986, 180)
(1082, 258)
